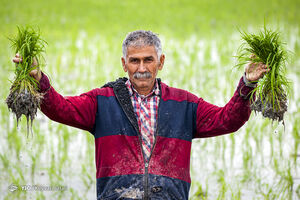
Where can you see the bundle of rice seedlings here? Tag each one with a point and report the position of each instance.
(273, 89)
(24, 98)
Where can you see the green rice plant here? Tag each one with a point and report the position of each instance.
(223, 143)
(272, 90)
(236, 194)
(24, 98)
(267, 192)
(286, 181)
(4, 161)
(232, 148)
(15, 143)
(20, 171)
(34, 159)
(201, 193)
(86, 178)
(296, 136)
(298, 192)
(74, 194)
(40, 196)
(223, 185)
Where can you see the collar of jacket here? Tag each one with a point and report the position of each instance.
(123, 97)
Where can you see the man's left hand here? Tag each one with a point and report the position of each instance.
(255, 71)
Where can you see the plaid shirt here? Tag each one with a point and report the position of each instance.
(145, 109)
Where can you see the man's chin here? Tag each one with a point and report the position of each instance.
(143, 82)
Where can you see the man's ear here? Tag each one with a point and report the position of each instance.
(161, 62)
(123, 64)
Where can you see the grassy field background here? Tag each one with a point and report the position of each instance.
(200, 39)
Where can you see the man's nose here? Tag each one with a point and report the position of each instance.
(142, 68)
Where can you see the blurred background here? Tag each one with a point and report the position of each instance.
(200, 39)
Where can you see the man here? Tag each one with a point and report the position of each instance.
(143, 128)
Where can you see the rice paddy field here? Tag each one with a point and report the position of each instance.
(200, 40)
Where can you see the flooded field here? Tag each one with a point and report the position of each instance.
(259, 161)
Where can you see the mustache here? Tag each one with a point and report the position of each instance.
(138, 75)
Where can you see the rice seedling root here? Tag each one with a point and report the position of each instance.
(24, 102)
(267, 110)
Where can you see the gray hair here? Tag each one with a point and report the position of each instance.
(142, 38)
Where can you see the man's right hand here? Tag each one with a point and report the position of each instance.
(35, 73)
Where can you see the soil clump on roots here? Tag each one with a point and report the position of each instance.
(267, 109)
(24, 103)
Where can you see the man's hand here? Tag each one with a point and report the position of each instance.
(35, 73)
(255, 71)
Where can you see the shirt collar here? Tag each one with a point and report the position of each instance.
(132, 91)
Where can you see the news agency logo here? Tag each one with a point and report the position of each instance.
(12, 188)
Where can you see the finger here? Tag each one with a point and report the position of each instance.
(17, 60)
(250, 67)
(34, 63)
(33, 72)
(254, 65)
(17, 55)
(264, 72)
(251, 64)
(262, 66)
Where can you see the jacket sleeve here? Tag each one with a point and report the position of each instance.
(212, 120)
(77, 111)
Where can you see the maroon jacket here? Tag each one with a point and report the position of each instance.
(108, 114)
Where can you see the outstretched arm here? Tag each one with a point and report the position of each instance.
(76, 111)
(213, 120)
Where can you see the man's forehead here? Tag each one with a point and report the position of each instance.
(133, 51)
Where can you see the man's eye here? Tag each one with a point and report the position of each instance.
(134, 60)
(148, 59)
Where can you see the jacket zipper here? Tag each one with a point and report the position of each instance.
(141, 147)
(147, 163)
(145, 185)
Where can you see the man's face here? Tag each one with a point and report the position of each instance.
(142, 66)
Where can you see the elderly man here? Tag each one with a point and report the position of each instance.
(143, 128)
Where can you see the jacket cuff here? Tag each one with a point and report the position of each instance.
(44, 84)
(249, 83)
(244, 90)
